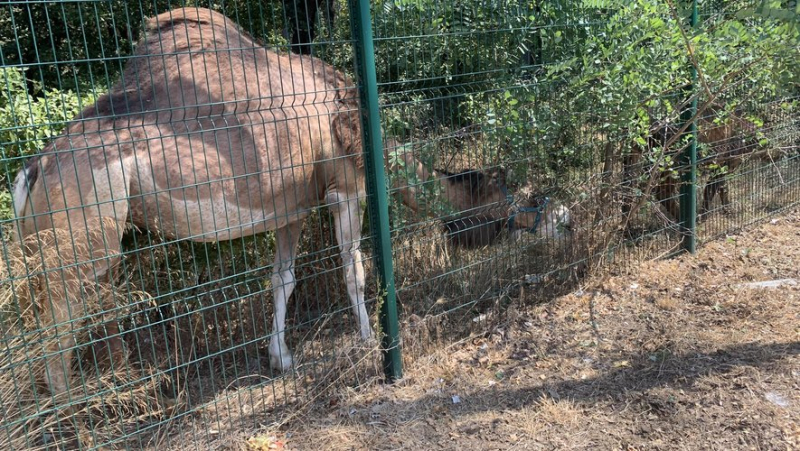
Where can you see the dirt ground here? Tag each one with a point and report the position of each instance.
(688, 353)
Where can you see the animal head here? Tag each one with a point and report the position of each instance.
(481, 204)
(472, 189)
(495, 209)
(535, 213)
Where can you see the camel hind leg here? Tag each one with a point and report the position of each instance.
(72, 287)
(73, 239)
(733, 165)
(666, 193)
(718, 183)
(283, 283)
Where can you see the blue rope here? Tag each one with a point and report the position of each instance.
(517, 210)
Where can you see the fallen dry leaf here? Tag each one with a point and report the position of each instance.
(264, 443)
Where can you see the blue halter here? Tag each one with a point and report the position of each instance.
(516, 209)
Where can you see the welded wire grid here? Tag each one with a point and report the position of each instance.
(178, 144)
(754, 160)
(469, 86)
(485, 116)
(756, 184)
(450, 75)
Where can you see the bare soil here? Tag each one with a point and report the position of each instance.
(684, 353)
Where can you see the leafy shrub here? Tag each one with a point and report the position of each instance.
(630, 66)
(28, 122)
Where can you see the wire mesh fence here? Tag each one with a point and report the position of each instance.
(186, 251)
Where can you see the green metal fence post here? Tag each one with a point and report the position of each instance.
(688, 198)
(378, 204)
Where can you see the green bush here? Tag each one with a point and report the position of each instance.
(540, 80)
(612, 77)
(28, 122)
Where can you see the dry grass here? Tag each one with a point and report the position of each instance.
(182, 354)
(32, 417)
(201, 352)
(675, 354)
(230, 395)
(536, 380)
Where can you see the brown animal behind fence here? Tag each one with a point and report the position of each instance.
(729, 142)
(481, 207)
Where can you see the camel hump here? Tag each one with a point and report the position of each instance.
(200, 16)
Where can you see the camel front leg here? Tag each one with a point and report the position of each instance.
(283, 283)
(347, 220)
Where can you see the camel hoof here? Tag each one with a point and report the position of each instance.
(282, 363)
(280, 358)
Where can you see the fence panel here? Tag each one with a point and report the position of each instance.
(524, 144)
(206, 181)
(469, 118)
(748, 138)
